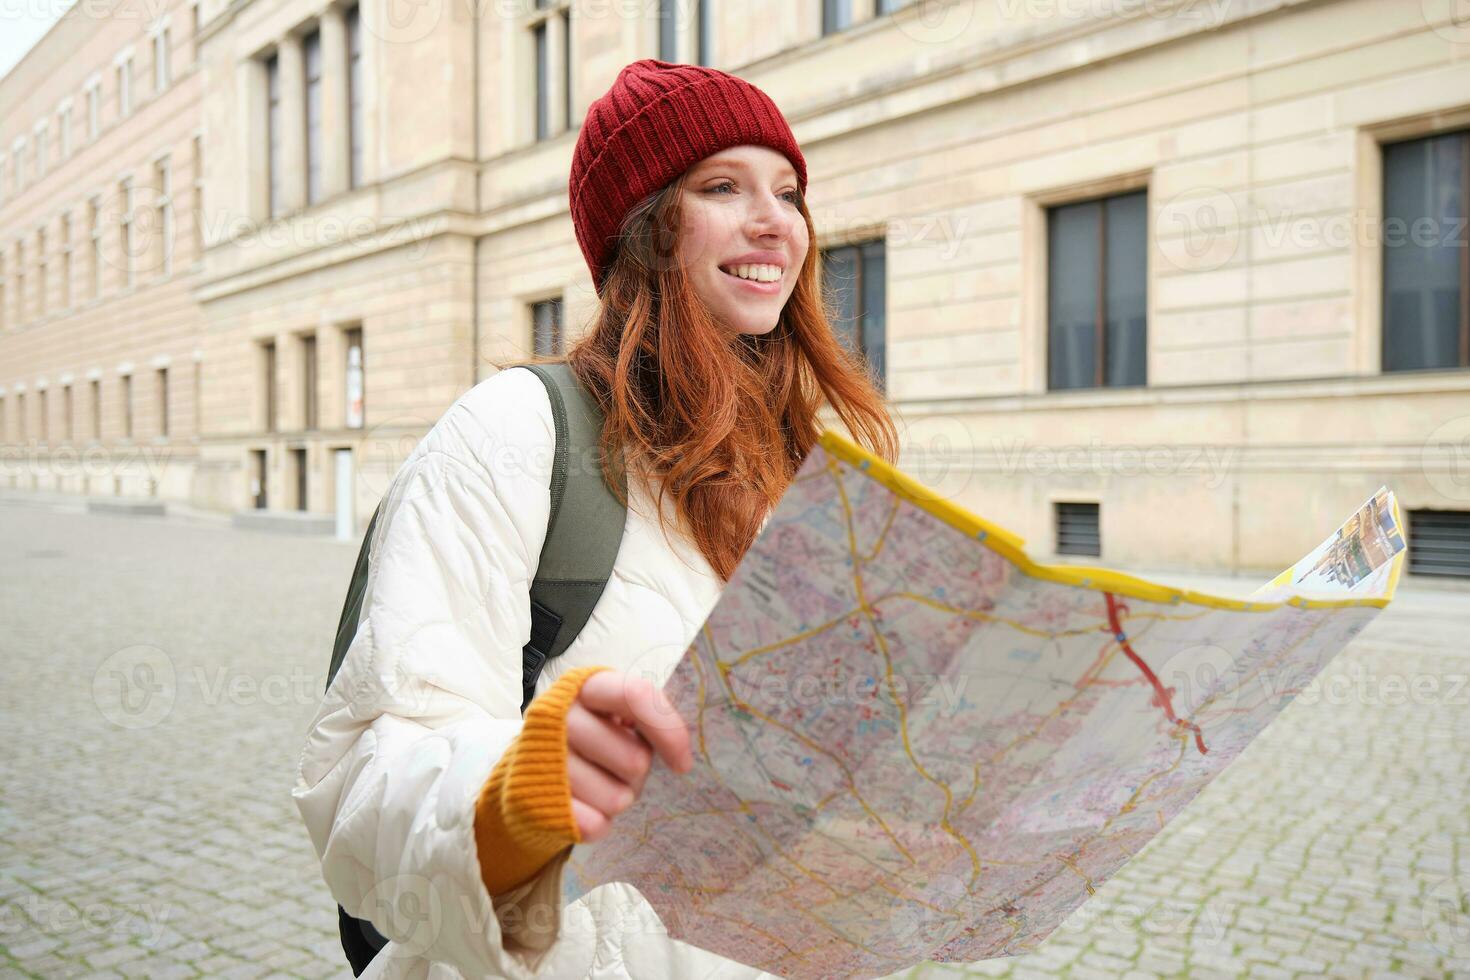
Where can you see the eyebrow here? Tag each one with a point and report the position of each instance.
(788, 171)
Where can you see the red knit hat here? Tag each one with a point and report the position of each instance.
(658, 119)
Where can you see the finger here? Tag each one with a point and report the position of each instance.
(592, 824)
(633, 698)
(600, 740)
(594, 786)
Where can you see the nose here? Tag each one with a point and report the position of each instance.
(769, 217)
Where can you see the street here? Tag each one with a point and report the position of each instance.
(163, 672)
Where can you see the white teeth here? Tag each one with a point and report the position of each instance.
(760, 273)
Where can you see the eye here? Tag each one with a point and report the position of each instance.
(793, 196)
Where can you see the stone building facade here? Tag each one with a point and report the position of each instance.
(1176, 283)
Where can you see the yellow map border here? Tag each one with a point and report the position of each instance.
(1012, 547)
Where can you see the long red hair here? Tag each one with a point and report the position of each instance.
(722, 419)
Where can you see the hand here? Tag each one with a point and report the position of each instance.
(613, 729)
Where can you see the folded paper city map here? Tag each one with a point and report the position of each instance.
(913, 742)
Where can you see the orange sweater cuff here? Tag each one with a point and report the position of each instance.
(523, 816)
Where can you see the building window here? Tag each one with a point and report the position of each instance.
(65, 261)
(546, 328)
(1078, 530)
(855, 280)
(354, 97)
(668, 30)
(553, 18)
(20, 283)
(94, 111)
(889, 6)
(96, 409)
(197, 209)
(566, 67)
(127, 405)
(94, 208)
(124, 88)
(45, 421)
(706, 36)
(164, 213)
(1426, 255)
(20, 414)
(125, 222)
(672, 27)
(311, 51)
(163, 401)
(355, 386)
(42, 258)
(63, 125)
(543, 83)
(268, 380)
(1097, 292)
(71, 426)
(309, 382)
(194, 30)
(18, 150)
(161, 68)
(274, 148)
(836, 15)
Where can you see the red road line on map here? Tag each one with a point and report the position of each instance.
(1161, 693)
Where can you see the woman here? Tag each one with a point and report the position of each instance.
(439, 813)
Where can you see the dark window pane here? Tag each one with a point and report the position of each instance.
(273, 133)
(1072, 283)
(354, 99)
(1126, 294)
(543, 80)
(1423, 241)
(546, 327)
(706, 32)
(874, 311)
(566, 67)
(668, 32)
(836, 15)
(311, 49)
(839, 272)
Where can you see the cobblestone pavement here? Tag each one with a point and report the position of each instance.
(162, 672)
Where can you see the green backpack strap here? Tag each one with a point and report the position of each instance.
(583, 534)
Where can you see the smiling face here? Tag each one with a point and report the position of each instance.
(742, 237)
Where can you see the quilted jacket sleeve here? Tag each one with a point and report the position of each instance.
(428, 697)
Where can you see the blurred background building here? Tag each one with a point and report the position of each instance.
(1176, 283)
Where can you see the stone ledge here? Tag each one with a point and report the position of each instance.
(284, 521)
(144, 507)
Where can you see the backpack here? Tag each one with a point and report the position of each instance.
(583, 532)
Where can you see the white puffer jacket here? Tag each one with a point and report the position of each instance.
(429, 696)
